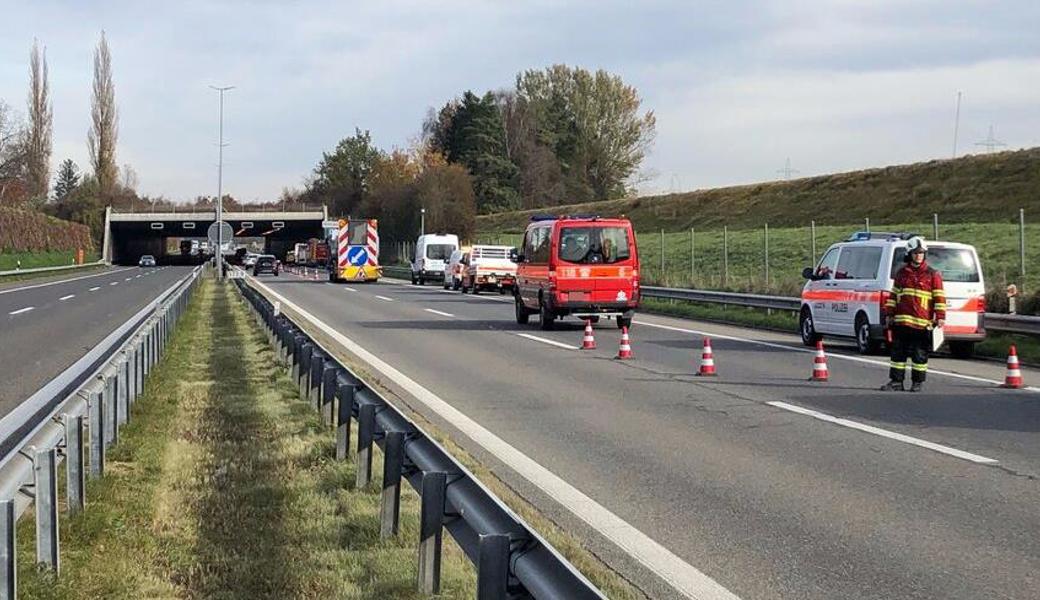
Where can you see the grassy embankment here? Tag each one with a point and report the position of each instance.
(223, 485)
(51, 258)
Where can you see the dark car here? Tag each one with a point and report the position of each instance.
(267, 263)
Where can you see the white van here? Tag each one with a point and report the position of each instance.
(432, 252)
(846, 292)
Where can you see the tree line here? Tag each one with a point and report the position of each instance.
(562, 135)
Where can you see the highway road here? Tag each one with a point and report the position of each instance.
(766, 483)
(46, 326)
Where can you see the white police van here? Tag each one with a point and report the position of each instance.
(845, 294)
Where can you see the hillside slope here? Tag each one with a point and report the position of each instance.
(984, 188)
(29, 231)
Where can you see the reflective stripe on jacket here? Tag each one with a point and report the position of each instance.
(917, 297)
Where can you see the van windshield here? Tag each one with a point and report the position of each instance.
(585, 245)
(439, 251)
(957, 265)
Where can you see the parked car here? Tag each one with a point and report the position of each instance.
(249, 259)
(582, 266)
(845, 294)
(489, 268)
(453, 272)
(146, 260)
(432, 252)
(267, 263)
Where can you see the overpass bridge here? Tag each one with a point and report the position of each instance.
(128, 234)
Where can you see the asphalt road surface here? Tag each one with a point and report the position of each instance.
(46, 326)
(773, 486)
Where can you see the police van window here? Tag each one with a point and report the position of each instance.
(957, 265)
(858, 263)
(825, 270)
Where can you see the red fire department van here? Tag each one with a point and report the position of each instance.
(582, 266)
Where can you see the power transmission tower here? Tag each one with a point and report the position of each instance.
(990, 143)
(787, 171)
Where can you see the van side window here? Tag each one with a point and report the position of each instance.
(858, 263)
(825, 270)
(536, 247)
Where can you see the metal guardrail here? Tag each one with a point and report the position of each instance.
(98, 391)
(1020, 324)
(46, 269)
(511, 559)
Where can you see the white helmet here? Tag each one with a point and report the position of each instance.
(916, 243)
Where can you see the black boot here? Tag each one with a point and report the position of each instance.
(893, 386)
(917, 386)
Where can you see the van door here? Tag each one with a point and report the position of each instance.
(819, 291)
(856, 289)
(533, 274)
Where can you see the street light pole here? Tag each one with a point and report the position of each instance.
(220, 182)
(422, 221)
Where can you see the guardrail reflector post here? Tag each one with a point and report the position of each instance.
(8, 551)
(431, 527)
(393, 463)
(75, 480)
(493, 567)
(45, 480)
(345, 395)
(96, 408)
(366, 428)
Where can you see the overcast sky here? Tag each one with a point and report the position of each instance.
(737, 87)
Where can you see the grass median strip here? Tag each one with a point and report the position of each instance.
(224, 486)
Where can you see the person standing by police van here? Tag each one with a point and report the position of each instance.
(917, 305)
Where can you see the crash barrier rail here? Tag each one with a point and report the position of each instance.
(511, 559)
(46, 269)
(79, 412)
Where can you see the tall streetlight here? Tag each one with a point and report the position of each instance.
(422, 221)
(220, 182)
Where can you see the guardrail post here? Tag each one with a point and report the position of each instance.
(366, 429)
(131, 374)
(96, 408)
(304, 370)
(8, 551)
(139, 356)
(314, 383)
(146, 345)
(111, 428)
(75, 480)
(297, 356)
(393, 463)
(345, 394)
(328, 392)
(431, 526)
(122, 391)
(45, 487)
(493, 566)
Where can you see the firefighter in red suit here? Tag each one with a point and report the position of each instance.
(917, 304)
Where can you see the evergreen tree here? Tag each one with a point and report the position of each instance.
(68, 179)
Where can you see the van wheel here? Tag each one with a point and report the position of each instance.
(864, 343)
(522, 314)
(548, 319)
(414, 280)
(962, 349)
(807, 328)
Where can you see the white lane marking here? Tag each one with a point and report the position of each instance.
(546, 341)
(114, 283)
(64, 298)
(94, 289)
(906, 439)
(491, 298)
(682, 576)
(385, 298)
(128, 279)
(437, 312)
(40, 285)
(349, 289)
(137, 276)
(836, 356)
(21, 310)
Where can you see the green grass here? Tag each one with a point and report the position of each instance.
(224, 486)
(32, 260)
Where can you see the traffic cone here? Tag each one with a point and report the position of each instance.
(819, 367)
(707, 360)
(625, 350)
(1013, 379)
(588, 342)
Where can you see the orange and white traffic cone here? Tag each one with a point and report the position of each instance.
(819, 367)
(1013, 379)
(588, 342)
(624, 350)
(707, 368)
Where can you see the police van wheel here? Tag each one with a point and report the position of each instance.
(864, 343)
(807, 328)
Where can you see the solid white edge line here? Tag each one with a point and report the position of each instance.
(40, 285)
(385, 298)
(545, 341)
(682, 576)
(21, 310)
(437, 312)
(975, 458)
(859, 359)
(64, 298)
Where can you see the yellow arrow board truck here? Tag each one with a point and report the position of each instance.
(356, 251)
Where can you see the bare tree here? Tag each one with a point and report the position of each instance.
(40, 126)
(101, 139)
(129, 178)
